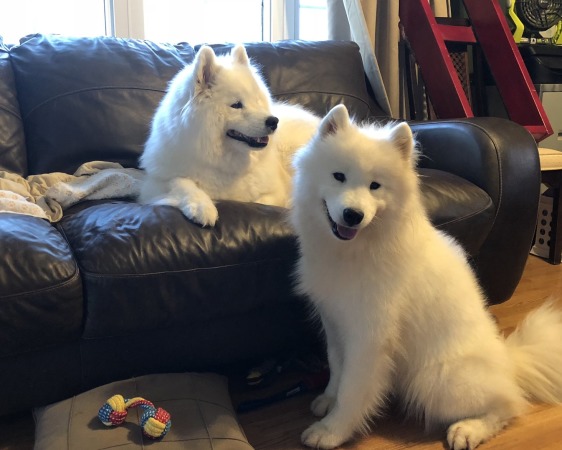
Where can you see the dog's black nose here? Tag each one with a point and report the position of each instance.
(352, 216)
(271, 123)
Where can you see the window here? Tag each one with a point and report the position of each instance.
(195, 21)
(199, 21)
(70, 17)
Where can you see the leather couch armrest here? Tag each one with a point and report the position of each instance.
(500, 157)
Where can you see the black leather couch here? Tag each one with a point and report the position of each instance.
(117, 289)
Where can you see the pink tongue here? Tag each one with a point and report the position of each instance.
(346, 232)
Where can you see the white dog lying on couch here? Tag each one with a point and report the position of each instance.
(217, 135)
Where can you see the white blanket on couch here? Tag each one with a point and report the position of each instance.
(48, 195)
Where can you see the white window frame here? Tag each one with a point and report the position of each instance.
(283, 20)
(125, 18)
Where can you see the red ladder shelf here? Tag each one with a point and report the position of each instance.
(488, 28)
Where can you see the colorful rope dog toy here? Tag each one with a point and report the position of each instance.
(155, 422)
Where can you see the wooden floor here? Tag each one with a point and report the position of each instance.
(278, 427)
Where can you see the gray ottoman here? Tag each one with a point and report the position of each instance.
(199, 404)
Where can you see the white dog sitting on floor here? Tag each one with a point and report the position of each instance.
(217, 135)
(401, 307)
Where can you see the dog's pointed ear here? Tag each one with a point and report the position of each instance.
(402, 138)
(240, 56)
(205, 66)
(337, 119)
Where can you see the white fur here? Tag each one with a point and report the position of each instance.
(189, 159)
(401, 308)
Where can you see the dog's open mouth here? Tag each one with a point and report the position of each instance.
(341, 231)
(254, 142)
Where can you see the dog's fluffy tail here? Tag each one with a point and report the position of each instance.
(536, 348)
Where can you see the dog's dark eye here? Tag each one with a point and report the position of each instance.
(237, 105)
(374, 186)
(339, 176)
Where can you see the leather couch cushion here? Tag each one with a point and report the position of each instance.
(88, 99)
(147, 267)
(199, 404)
(458, 207)
(41, 292)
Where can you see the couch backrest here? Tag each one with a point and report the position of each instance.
(12, 142)
(85, 99)
(317, 75)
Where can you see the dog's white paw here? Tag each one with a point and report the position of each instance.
(322, 405)
(193, 202)
(203, 213)
(318, 435)
(467, 434)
